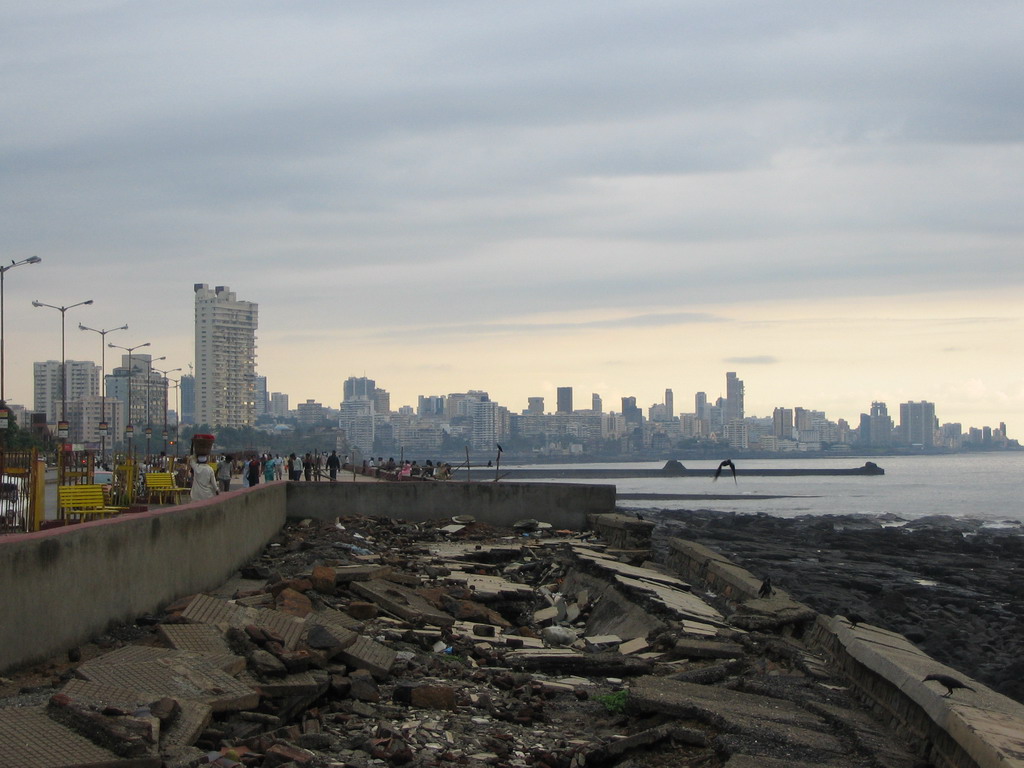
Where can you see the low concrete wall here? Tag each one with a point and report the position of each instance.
(62, 586)
(564, 505)
(887, 671)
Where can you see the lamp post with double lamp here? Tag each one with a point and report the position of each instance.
(129, 429)
(4, 414)
(104, 427)
(3, 391)
(165, 387)
(62, 425)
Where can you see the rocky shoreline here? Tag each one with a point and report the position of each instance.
(955, 588)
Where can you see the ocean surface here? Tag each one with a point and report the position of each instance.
(987, 487)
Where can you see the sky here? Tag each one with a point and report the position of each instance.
(825, 198)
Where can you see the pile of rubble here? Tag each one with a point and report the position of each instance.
(370, 642)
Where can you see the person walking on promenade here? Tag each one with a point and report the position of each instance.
(278, 467)
(333, 465)
(307, 467)
(204, 482)
(294, 467)
(224, 473)
(253, 471)
(268, 468)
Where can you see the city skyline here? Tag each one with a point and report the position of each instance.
(824, 198)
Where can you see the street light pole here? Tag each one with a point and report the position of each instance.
(103, 380)
(4, 415)
(129, 427)
(3, 272)
(164, 374)
(62, 426)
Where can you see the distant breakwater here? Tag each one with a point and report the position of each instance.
(676, 469)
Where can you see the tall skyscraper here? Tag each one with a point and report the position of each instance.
(225, 357)
(564, 400)
(733, 398)
(535, 405)
(670, 405)
(596, 405)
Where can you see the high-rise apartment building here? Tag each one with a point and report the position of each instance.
(358, 388)
(782, 423)
(876, 426)
(225, 357)
(596, 405)
(83, 379)
(260, 398)
(279, 404)
(564, 400)
(535, 405)
(670, 406)
(918, 424)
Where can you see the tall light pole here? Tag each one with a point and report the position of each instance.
(129, 429)
(62, 425)
(3, 271)
(103, 380)
(4, 416)
(165, 387)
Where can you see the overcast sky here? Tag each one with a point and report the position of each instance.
(619, 197)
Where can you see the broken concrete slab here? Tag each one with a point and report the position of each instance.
(402, 601)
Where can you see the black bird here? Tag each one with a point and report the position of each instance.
(639, 516)
(951, 683)
(727, 463)
(766, 590)
(854, 619)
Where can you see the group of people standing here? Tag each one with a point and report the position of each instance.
(266, 467)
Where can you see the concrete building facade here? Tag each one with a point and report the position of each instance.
(225, 330)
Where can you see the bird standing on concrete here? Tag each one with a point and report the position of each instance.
(766, 590)
(951, 683)
(727, 463)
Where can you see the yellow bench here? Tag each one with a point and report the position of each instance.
(160, 485)
(84, 501)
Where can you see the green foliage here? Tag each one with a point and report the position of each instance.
(614, 703)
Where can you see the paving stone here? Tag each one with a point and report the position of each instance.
(177, 679)
(203, 639)
(289, 628)
(368, 654)
(210, 610)
(29, 738)
(331, 617)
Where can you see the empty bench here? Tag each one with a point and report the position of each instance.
(83, 502)
(160, 487)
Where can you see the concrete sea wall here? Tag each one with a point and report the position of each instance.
(61, 586)
(564, 505)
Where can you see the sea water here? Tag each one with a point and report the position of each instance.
(975, 486)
